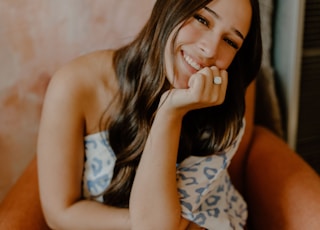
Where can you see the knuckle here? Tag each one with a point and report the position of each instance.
(205, 71)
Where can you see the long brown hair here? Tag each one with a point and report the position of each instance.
(140, 70)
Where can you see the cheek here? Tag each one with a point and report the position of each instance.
(168, 60)
(188, 33)
(168, 66)
(225, 58)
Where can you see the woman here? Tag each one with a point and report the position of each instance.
(153, 125)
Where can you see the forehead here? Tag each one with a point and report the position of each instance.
(235, 14)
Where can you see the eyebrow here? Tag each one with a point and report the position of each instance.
(237, 32)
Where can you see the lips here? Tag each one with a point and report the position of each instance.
(191, 62)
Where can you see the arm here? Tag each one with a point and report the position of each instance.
(154, 201)
(155, 180)
(61, 156)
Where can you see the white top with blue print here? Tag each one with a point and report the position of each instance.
(207, 196)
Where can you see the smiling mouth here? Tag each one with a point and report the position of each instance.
(191, 62)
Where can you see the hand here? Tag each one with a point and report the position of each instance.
(202, 91)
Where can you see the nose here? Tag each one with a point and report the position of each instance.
(209, 45)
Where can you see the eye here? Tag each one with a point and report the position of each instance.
(231, 43)
(201, 19)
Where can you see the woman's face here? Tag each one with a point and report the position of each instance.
(211, 37)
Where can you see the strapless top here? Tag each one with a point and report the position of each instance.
(207, 196)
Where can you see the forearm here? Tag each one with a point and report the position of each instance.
(88, 215)
(154, 202)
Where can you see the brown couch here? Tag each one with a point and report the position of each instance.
(282, 191)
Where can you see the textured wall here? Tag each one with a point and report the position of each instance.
(36, 37)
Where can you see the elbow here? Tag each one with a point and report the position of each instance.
(156, 222)
(154, 226)
(145, 225)
(54, 217)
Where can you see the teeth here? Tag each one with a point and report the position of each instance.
(192, 62)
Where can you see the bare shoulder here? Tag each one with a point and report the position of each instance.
(84, 71)
(88, 83)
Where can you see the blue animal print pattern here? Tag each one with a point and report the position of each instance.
(207, 196)
(99, 165)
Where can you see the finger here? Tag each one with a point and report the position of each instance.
(210, 92)
(223, 86)
(219, 83)
(205, 72)
(197, 84)
(217, 79)
(198, 79)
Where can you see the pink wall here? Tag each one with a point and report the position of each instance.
(36, 37)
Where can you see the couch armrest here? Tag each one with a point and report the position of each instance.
(21, 208)
(282, 190)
